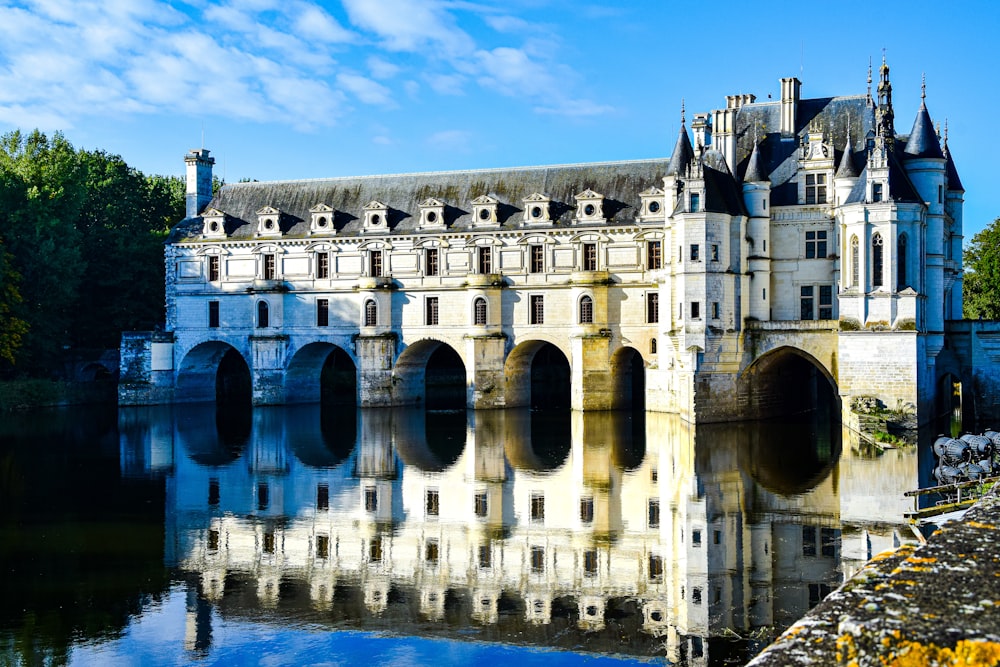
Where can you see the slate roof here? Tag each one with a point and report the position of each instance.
(683, 154)
(619, 182)
(923, 141)
(901, 188)
(954, 182)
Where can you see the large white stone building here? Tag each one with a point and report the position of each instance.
(786, 250)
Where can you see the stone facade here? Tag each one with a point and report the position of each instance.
(805, 231)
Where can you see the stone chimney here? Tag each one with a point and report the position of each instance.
(199, 181)
(789, 103)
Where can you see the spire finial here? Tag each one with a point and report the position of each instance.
(869, 78)
(682, 111)
(923, 87)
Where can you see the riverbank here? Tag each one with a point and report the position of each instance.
(933, 604)
(31, 393)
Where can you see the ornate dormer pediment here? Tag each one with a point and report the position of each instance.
(485, 211)
(537, 209)
(376, 217)
(652, 207)
(321, 219)
(589, 207)
(213, 224)
(268, 222)
(431, 214)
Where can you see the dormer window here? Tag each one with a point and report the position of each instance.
(213, 224)
(816, 188)
(321, 219)
(652, 202)
(268, 221)
(590, 207)
(484, 211)
(431, 214)
(876, 192)
(376, 217)
(536, 210)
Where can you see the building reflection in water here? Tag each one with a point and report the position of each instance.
(607, 531)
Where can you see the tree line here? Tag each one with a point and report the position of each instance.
(81, 250)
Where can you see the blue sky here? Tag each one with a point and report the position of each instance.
(288, 89)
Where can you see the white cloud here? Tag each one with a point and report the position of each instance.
(382, 69)
(409, 25)
(451, 140)
(366, 90)
(312, 22)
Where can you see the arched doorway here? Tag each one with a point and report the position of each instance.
(430, 372)
(214, 371)
(787, 381)
(538, 376)
(948, 403)
(629, 372)
(321, 373)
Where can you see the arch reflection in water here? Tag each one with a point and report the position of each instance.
(681, 535)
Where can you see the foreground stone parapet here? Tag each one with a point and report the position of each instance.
(936, 604)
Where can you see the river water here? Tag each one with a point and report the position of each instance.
(300, 535)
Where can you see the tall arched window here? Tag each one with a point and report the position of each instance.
(876, 260)
(855, 262)
(479, 311)
(901, 262)
(371, 313)
(586, 310)
(262, 314)
(652, 346)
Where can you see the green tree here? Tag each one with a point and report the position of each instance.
(981, 289)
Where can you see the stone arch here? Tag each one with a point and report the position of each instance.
(409, 374)
(429, 441)
(321, 371)
(785, 380)
(628, 372)
(210, 436)
(213, 371)
(523, 383)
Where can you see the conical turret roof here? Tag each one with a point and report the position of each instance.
(847, 168)
(755, 172)
(923, 141)
(954, 182)
(683, 153)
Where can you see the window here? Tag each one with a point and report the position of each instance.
(214, 268)
(537, 560)
(715, 252)
(655, 567)
(537, 309)
(586, 511)
(695, 252)
(715, 310)
(269, 267)
(322, 265)
(323, 546)
(485, 556)
(375, 550)
(536, 259)
(901, 262)
(652, 307)
(877, 260)
(826, 302)
(371, 313)
(828, 545)
(806, 302)
(262, 315)
(716, 537)
(590, 562)
(431, 311)
(696, 595)
(485, 259)
(322, 312)
(322, 497)
(537, 507)
(818, 593)
(815, 188)
(480, 504)
(653, 513)
(654, 255)
(589, 256)
(432, 504)
(808, 540)
(213, 492)
(876, 192)
(431, 261)
(371, 499)
(479, 311)
(213, 314)
(695, 202)
(940, 194)
(855, 262)
(695, 310)
(652, 346)
(431, 551)
(213, 540)
(263, 496)
(696, 537)
(375, 263)
(268, 543)
(586, 310)
(816, 244)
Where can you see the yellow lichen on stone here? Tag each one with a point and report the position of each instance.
(966, 652)
(918, 559)
(979, 524)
